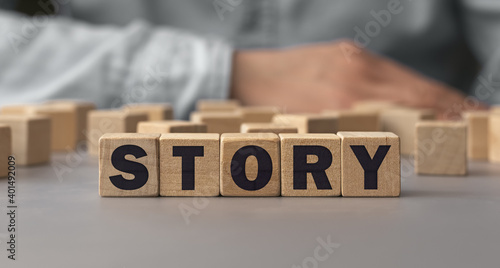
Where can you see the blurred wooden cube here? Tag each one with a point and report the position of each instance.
(155, 111)
(267, 128)
(376, 106)
(189, 164)
(258, 114)
(441, 148)
(308, 123)
(80, 111)
(101, 122)
(31, 138)
(355, 120)
(310, 165)
(171, 126)
(129, 165)
(477, 134)
(370, 164)
(494, 137)
(218, 122)
(217, 105)
(5, 149)
(250, 164)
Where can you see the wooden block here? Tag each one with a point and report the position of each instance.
(80, 110)
(477, 134)
(356, 120)
(31, 138)
(267, 128)
(5, 149)
(171, 126)
(258, 114)
(128, 164)
(217, 105)
(495, 109)
(370, 164)
(155, 111)
(18, 109)
(494, 137)
(308, 123)
(374, 105)
(218, 122)
(101, 122)
(441, 148)
(250, 164)
(310, 165)
(189, 164)
(402, 123)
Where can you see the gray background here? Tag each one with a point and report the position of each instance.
(437, 222)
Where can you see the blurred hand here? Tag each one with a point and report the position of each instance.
(334, 76)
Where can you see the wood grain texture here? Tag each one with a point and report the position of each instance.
(477, 134)
(353, 174)
(5, 149)
(258, 114)
(267, 128)
(308, 123)
(206, 167)
(107, 145)
(235, 146)
(171, 126)
(494, 137)
(355, 120)
(31, 138)
(217, 105)
(80, 110)
(401, 121)
(218, 122)
(330, 142)
(441, 147)
(155, 111)
(101, 122)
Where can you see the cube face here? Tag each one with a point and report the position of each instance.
(31, 138)
(356, 120)
(402, 123)
(370, 164)
(189, 165)
(218, 122)
(80, 109)
(267, 128)
(477, 134)
(301, 176)
(250, 164)
(217, 105)
(258, 114)
(441, 148)
(494, 137)
(128, 165)
(171, 126)
(64, 133)
(154, 111)
(308, 123)
(5, 149)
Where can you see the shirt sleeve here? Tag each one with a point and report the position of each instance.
(49, 57)
(482, 28)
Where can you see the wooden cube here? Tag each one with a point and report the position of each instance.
(441, 148)
(402, 123)
(30, 138)
(218, 122)
(155, 111)
(310, 165)
(258, 114)
(250, 164)
(308, 123)
(356, 120)
(217, 105)
(171, 126)
(5, 149)
(189, 164)
(128, 164)
(494, 137)
(477, 134)
(267, 128)
(370, 164)
(101, 122)
(80, 110)
(374, 105)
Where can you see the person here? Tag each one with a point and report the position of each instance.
(303, 55)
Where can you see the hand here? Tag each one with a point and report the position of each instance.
(334, 76)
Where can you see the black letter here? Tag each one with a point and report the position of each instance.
(317, 170)
(188, 153)
(120, 163)
(370, 165)
(265, 168)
